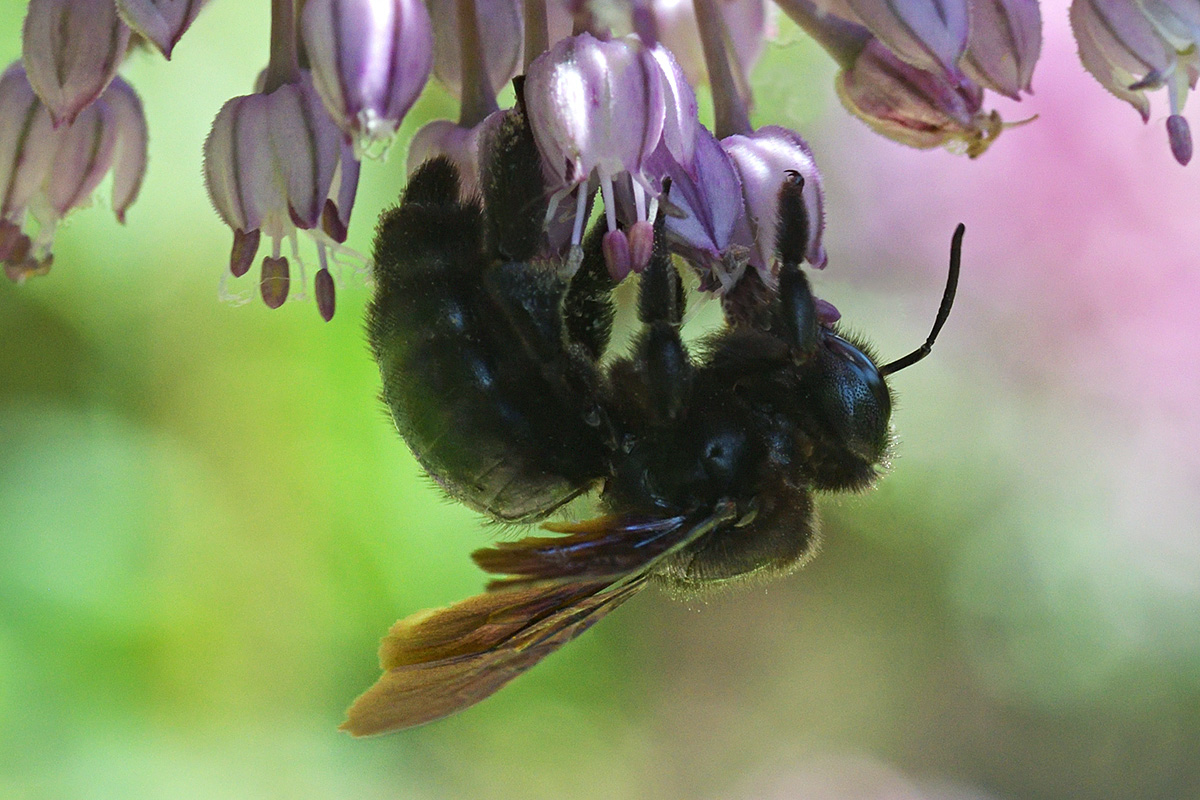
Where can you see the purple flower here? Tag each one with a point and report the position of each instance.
(1005, 42)
(270, 163)
(916, 107)
(72, 49)
(161, 22)
(1131, 47)
(370, 59)
(605, 107)
(929, 34)
(711, 231)
(500, 33)
(460, 144)
(764, 160)
(46, 172)
(595, 105)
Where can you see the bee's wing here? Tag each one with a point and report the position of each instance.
(439, 662)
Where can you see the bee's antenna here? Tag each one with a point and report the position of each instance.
(943, 310)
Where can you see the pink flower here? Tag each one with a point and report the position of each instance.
(916, 107)
(1005, 42)
(605, 107)
(500, 33)
(1131, 47)
(929, 34)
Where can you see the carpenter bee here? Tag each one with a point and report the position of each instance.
(705, 463)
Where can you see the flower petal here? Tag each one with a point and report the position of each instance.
(72, 49)
(162, 22)
(129, 163)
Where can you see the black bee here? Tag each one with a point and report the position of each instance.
(706, 463)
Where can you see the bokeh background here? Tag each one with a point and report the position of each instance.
(207, 521)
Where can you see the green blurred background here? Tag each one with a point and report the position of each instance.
(207, 521)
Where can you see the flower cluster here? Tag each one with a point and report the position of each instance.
(608, 89)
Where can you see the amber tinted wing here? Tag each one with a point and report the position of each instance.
(439, 662)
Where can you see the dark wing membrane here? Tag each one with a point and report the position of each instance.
(439, 662)
(593, 549)
(608, 547)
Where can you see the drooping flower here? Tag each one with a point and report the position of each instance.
(161, 22)
(500, 28)
(370, 59)
(460, 144)
(46, 172)
(909, 104)
(1131, 47)
(711, 229)
(72, 49)
(765, 159)
(270, 163)
(604, 107)
(673, 24)
(916, 107)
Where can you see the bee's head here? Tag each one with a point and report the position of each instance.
(844, 404)
(848, 408)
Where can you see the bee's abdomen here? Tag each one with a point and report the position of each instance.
(473, 362)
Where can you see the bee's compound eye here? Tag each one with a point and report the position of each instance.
(855, 398)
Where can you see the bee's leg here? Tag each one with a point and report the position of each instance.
(588, 307)
(514, 194)
(657, 379)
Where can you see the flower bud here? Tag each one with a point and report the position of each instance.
(916, 107)
(161, 22)
(370, 59)
(1005, 42)
(500, 33)
(72, 49)
(929, 34)
(764, 160)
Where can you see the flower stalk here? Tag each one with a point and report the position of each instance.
(284, 66)
(731, 115)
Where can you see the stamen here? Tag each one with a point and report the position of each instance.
(610, 204)
(639, 200)
(580, 211)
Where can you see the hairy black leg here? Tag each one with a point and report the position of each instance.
(796, 311)
(513, 187)
(588, 307)
(667, 367)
